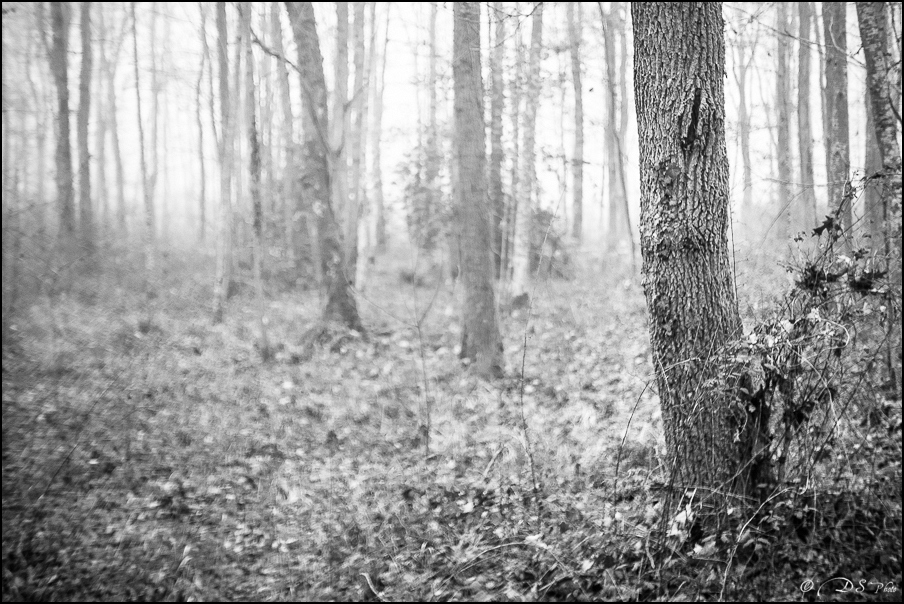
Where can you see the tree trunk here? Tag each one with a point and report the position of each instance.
(341, 123)
(480, 340)
(874, 36)
(497, 154)
(202, 201)
(524, 210)
(225, 149)
(837, 138)
(804, 129)
(145, 188)
(100, 131)
(59, 65)
(679, 66)
(617, 196)
(355, 140)
(314, 177)
(376, 146)
(783, 109)
(86, 217)
(255, 183)
(574, 33)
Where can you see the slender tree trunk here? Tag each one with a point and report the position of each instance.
(341, 123)
(355, 141)
(574, 33)
(84, 114)
(376, 145)
(679, 62)
(257, 210)
(480, 340)
(524, 211)
(367, 228)
(100, 131)
(497, 154)
(291, 203)
(145, 188)
(511, 208)
(617, 218)
(225, 148)
(837, 137)
(59, 65)
(202, 201)
(783, 109)
(804, 129)
(314, 177)
(742, 65)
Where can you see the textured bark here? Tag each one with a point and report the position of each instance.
(524, 209)
(86, 210)
(225, 149)
(783, 111)
(807, 217)
(497, 154)
(679, 62)
(480, 341)
(574, 33)
(313, 171)
(837, 138)
(874, 36)
(59, 66)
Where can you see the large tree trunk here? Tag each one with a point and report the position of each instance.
(679, 65)
(59, 65)
(313, 172)
(224, 149)
(575, 26)
(524, 209)
(804, 129)
(497, 154)
(480, 341)
(837, 138)
(86, 217)
(874, 35)
(783, 109)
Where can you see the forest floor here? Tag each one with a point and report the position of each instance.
(176, 465)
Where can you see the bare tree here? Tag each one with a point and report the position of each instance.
(145, 185)
(225, 150)
(84, 114)
(783, 110)
(315, 176)
(836, 135)
(804, 129)
(524, 210)
(684, 219)
(59, 65)
(480, 341)
(575, 23)
(497, 155)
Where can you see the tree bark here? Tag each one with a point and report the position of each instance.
(313, 172)
(679, 66)
(480, 341)
(497, 154)
(574, 33)
(807, 217)
(837, 138)
(202, 200)
(524, 209)
(355, 140)
(59, 65)
(783, 110)
(254, 169)
(341, 122)
(86, 217)
(376, 146)
(225, 150)
(145, 187)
